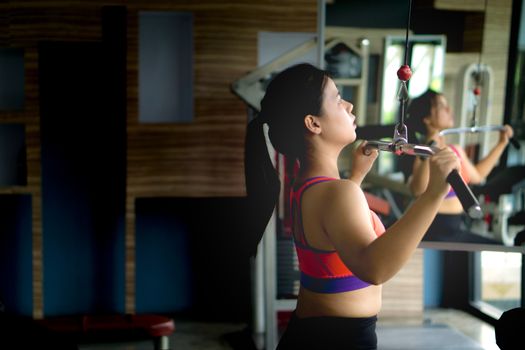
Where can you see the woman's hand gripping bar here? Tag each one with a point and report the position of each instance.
(477, 129)
(469, 202)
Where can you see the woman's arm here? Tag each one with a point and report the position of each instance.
(361, 163)
(346, 221)
(479, 171)
(418, 181)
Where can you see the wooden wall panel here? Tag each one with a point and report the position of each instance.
(23, 25)
(204, 158)
(200, 159)
(494, 52)
(464, 5)
(403, 294)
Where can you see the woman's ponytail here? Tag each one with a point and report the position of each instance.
(291, 95)
(262, 182)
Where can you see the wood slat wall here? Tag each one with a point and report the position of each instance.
(200, 159)
(464, 5)
(496, 36)
(494, 53)
(23, 25)
(403, 294)
(204, 158)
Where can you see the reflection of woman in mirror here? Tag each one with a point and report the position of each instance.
(344, 252)
(430, 113)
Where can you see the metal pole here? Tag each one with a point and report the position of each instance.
(522, 280)
(321, 16)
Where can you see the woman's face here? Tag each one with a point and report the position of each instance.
(337, 119)
(440, 115)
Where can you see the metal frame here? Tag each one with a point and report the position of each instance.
(485, 107)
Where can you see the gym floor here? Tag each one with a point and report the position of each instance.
(442, 329)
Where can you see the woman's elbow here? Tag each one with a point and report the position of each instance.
(374, 277)
(476, 180)
(375, 281)
(369, 269)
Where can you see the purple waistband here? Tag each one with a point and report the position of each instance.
(332, 285)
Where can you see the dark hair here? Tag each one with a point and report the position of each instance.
(419, 108)
(290, 96)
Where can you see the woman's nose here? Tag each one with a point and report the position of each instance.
(350, 106)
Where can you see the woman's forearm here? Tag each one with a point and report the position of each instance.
(389, 253)
(485, 166)
(419, 180)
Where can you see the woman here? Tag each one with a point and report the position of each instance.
(343, 250)
(428, 115)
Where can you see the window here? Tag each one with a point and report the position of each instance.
(497, 282)
(426, 59)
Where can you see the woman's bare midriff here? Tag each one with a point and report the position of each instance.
(451, 206)
(365, 302)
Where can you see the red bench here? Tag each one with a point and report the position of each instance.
(93, 327)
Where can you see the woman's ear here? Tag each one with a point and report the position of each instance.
(312, 123)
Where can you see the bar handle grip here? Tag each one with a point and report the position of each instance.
(515, 143)
(466, 197)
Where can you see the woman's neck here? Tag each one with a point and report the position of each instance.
(319, 165)
(433, 134)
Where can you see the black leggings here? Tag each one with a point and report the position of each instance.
(330, 333)
(450, 228)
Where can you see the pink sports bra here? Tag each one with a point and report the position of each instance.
(462, 172)
(323, 271)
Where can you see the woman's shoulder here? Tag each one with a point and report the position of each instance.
(329, 185)
(339, 197)
(457, 149)
(334, 183)
(341, 189)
